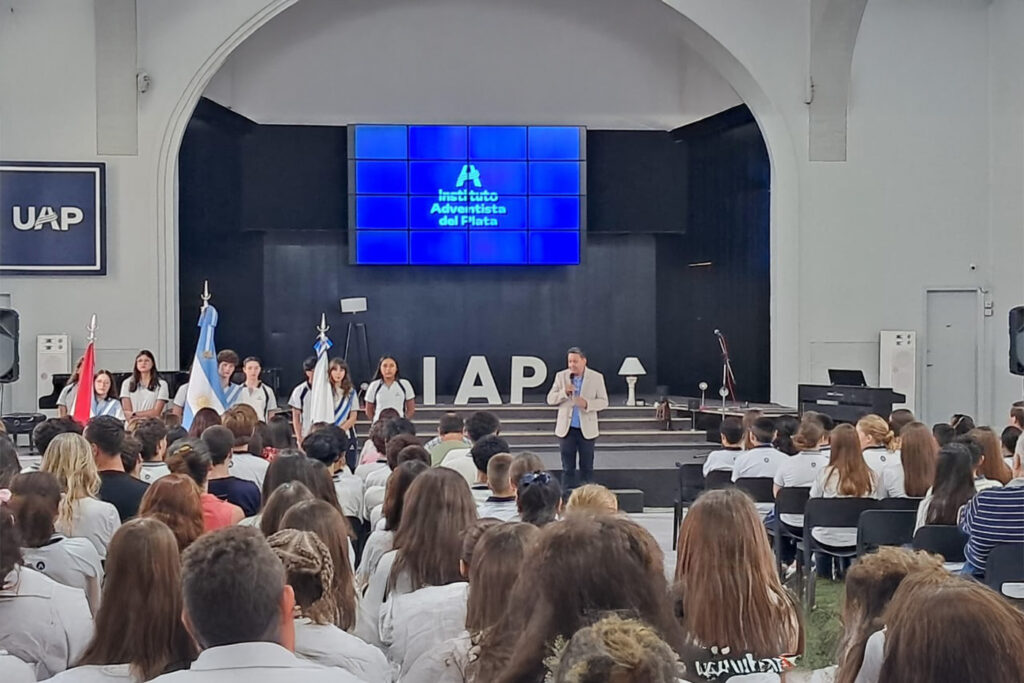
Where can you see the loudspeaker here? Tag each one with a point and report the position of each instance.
(8, 345)
(1017, 340)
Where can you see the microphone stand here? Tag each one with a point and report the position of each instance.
(728, 379)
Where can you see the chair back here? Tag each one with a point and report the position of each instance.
(836, 512)
(760, 488)
(690, 478)
(942, 539)
(1005, 564)
(791, 501)
(899, 504)
(718, 479)
(884, 527)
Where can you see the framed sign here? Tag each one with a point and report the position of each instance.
(52, 218)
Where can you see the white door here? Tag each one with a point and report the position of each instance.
(951, 354)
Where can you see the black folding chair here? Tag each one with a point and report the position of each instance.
(718, 479)
(1005, 564)
(761, 489)
(945, 540)
(690, 484)
(884, 527)
(829, 512)
(899, 504)
(790, 501)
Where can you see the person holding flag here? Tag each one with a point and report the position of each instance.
(104, 399)
(204, 383)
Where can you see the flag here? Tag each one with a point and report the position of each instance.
(204, 390)
(83, 397)
(321, 403)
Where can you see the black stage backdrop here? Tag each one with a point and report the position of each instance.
(263, 216)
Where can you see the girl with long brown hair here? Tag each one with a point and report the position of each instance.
(175, 501)
(730, 593)
(993, 466)
(139, 631)
(952, 488)
(144, 394)
(438, 507)
(312, 573)
(877, 442)
(914, 473)
(578, 569)
(847, 476)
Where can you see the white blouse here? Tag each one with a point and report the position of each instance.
(13, 670)
(95, 520)
(328, 645)
(143, 398)
(413, 624)
(378, 543)
(826, 486)
(445, 664)
(71, 561)
(98, 673)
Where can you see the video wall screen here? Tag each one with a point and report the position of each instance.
(466, 195)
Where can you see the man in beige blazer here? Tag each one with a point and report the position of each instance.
(580, 394)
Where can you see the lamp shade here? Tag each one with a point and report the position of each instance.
(631, 367)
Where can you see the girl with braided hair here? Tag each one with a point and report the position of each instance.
(309, 570)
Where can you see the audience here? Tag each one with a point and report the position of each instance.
(373, 448)
(961, 424)
(139, 631)
(285, 497)
(981, 482)
(131, 455)
(242, 420)
(994, 516)
(275, 435)
(117, 487)
(785, 428)
(449, 437)
(760, 459)
(175, 500)
(731, 435)
(381, 540)
(47, 430)
(592, 499)
(943, 433)
(481, 453)
(203, 420)
(501, 501)
(35, 500)
(914, 472)
(191, 457)
(953, 487)
(241, 492)
(522, 464)
(479, 425)
(10, 466)
(615, 649)
(152, 436)
(539, 498)
(877, 442)
(80, 514)
(848, 475)
(993, 467)
(898, 419)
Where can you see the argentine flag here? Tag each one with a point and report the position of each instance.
(204, 390)
(321, 403)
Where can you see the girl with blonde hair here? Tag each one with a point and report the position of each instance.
(80, 513)
(877, 443)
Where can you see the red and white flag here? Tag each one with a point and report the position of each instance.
(83, 400)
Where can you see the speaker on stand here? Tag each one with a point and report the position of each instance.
(9, 362)
(1017, 340)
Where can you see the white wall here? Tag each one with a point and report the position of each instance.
(934, 180)
(601, 63)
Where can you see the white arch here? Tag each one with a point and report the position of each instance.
(784, 189)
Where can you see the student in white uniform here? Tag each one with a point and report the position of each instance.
(234, 571)
(761, 459)
(481, 454)
(180, 399)
(802, 469)
(438, 507)
(67, 396)
(144, 394)
(104, 399)
(42, 622)
(227, 361)
(847, 476)
(299, 401)
(478, 425)
(241, 420)
(310, 571)
(913, 475)
(732, 433)
(152, 435)
(328, 445)
(389, 390)
(254, 392)
(80, 513)
(346, 406)
(501, 501)
(878, 443)
(139, 632)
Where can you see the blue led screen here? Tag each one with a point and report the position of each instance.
(466, 195)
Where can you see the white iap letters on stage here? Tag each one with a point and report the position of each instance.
(478, 382)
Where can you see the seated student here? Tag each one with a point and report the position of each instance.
(913, 474)
(613, 649)
(1008, 440)
(241, 420)
(276, 435)
(877, 442)
(394, 445)
(144, 394)
(522, 464)
(175, 501)
(731, 433)
(327, 522)
(802, 469)
(479, 425)
(870, 585)
(410, 453)
(329, 445)
(437, 508)
(284, 498)
(951, 630)
(389, 390)
(951, 489)
(551, 598)
(310, 571)
(221, 483)
(131, 455)
(302, 419)
(105, 434)
(201, 421)
(898, 419)
(539, 498)
(35, 499)
(139, 632)
(992, 517)
(761, 459)
(961, 424)
(943, 433)
(742, 612)
(381, 539)
(481, 454)
(827, 424)
(449, 437)
(67, 396)
(495, 559)
(373, 447)
(42, 622)
(240, 612)
(501, 503)
(80, 513)
(981, 482)
(191, 457)
(152, 435)
(992, 467)
(785, 428)
(846, 476)
(44, 432)
(592, 499)
(104, 397)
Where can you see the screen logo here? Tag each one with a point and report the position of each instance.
(35, 217)
(465, 208)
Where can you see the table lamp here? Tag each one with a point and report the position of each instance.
(631, 369)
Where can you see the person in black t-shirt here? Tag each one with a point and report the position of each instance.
(117, 487)
(240, 492)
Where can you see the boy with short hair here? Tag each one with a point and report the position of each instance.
(299, 401)
(731, 434)
(152, 435)
(501, 503)
(227, 361)
(254, 392)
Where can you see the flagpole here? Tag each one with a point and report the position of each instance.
(91, 327)
(205, 296)
(323, 327)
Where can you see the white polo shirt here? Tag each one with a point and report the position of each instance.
(143, 398)
(722, 459)
(300, 398)
(759, 461)
(92, 519)
(181, 395)
(261, 399)
(879, 458)
(249, 467)
(383, 396)
(800, 471)
(68, 395)
(255, 663)
(328, 645)
(71, 561)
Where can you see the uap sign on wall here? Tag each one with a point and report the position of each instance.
(53, 218)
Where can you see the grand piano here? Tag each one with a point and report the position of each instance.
(847, 403)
